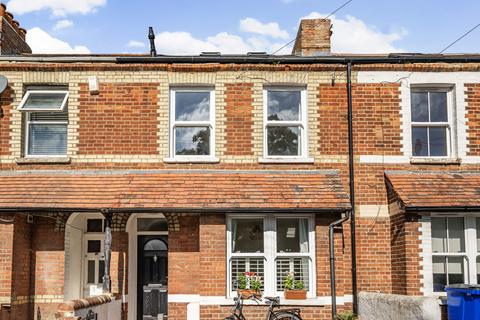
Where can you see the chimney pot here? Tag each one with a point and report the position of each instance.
(313, 38)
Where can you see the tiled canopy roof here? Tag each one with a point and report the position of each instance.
(180, 190)
(436, 189)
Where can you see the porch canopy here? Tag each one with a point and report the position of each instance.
(435, 191)
(173, 190)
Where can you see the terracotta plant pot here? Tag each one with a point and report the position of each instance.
(295, 294)
(247, 293)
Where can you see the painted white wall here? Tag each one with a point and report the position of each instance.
(73, 257)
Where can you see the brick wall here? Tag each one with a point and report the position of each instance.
(184, 257)
(213, 255)
(239, 119)
(13, 40)
(119, 262)
(5, 112)
(6, 259)
(122, 119)
(473, 118)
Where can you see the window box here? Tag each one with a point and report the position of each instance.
(248, 294)
(295, 294)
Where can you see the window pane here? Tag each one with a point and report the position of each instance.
(91, 271)
(47, 139)
(439, 273)
(242, 265)
(283, 105)
(283, 141)
(47, 101)
(419, 142)
(438, 107)
(94, 246)
(192, 106)
(94, 225)
(419, 106)
(455, 270)
(149, 224)
(438, 141)
(456, 235)
(49, 116)
(101, 270)
(192, 140)
(247, 235)
(299, 266)
(292, 235)
(439, 234)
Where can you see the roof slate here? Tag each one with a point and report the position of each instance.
(173, 190)
(436, 189)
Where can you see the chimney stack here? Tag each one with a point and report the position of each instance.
(12, 35)
(313, 38)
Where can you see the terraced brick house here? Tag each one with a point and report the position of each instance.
(143, 186)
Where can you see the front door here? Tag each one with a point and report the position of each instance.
(152, 277)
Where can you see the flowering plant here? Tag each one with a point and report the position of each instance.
(249, 281)
(289, 283)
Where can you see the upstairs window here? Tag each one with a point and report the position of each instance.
(431, 122)
(46, 122)
(285, 123)
(192, 115)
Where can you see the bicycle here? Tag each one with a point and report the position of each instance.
(272, 302)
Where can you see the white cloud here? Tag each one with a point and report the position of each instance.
(135, 44)
(41, 42)
(58, 7)
(180, 42)
(63, 24)
(352, 35)
(271, 29)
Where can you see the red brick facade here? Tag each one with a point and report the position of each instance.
(121, 119)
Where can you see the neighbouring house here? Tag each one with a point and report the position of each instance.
(138, 186)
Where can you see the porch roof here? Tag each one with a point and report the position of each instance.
(445, 191)
(182, 190)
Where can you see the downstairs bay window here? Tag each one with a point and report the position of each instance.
(271, 246)
(455, 251)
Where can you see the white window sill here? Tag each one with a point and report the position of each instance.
(192, 160)
(319, 301)
(43, 160)
(286, 160)
(434, 160)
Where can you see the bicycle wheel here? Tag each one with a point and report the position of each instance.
(284, 316)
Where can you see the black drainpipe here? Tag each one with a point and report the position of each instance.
(333, 290)
(352, 185)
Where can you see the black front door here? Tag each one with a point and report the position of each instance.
(152, 287)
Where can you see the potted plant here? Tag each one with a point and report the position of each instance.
(249, 285)
(294, 289)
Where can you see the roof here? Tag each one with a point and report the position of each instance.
(435, 189)
(249, 58)
(180, 190)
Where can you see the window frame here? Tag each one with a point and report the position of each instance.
(29, 92)
(270, 254)
(173, 124)
(471, 250)
(449, 125)
(302, 123)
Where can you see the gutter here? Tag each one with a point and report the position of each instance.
(416, 209)
(247, 59)
(176, 210)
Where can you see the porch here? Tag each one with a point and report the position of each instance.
(161, 242)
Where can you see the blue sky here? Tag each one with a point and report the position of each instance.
(234, 26)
